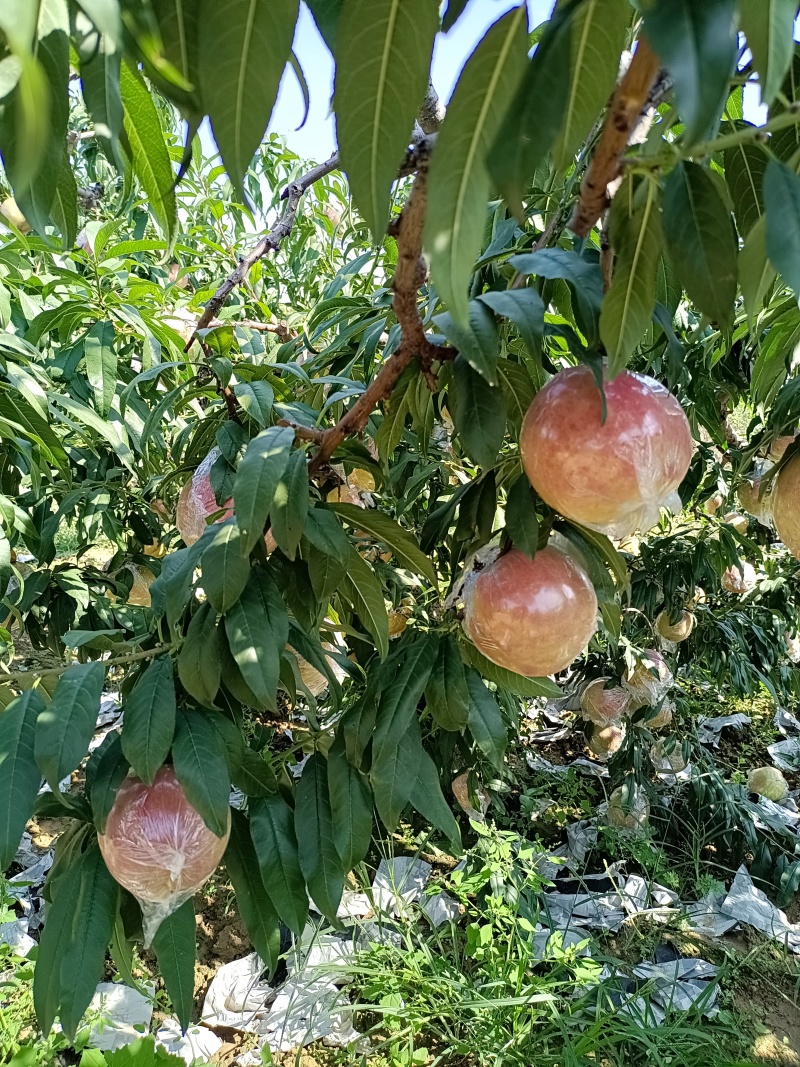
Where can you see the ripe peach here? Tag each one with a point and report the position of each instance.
(156, 844)
(604, 706)
(737, 521)
(532, 616)
(779, 446)
(786, 505)
(628, 812)
(667, 761)
(741, 581)
(675, 631)
(649, 679)
(197, 502)
(662, 718)
(614, 476)
(760, 507)
(604, 741)
(714, 503)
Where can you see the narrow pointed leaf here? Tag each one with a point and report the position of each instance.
(273, 834)
(101, 364)
(257, 478)
(383, 55)
(175, 946)
(446, 693)
(112, 769)
(202, 769)
(351, 807)
(393, 774)
(313, 821)
(782, 204)
(458, 181)
(20, 778)
(485, 720)
(427, 797)
(65, 727)
(199, 662)
(258, 628)
(385, 529)
(768, 26)
(149, 720)
(479, 413)
(290, 504)
(225, 568)
(258, 914)
(362, 589)
(243, 47)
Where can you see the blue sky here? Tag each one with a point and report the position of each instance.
(315, 140)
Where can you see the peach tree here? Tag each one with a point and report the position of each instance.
(358, 437)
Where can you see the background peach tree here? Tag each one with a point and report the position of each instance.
(575, 205)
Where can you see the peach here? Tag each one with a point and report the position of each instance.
(779, 446)
(532, 616)
(615, 476)
(675, 631)
(767, 782)
(628, 811)
(604, 706)
(197, 502)
(157, 846)
(754, 502)
(737, 521)
(604, 741)
(786, 505)
(739, 580)
(649, 680)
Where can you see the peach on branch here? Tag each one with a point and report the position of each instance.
(531, 616)
(675, 631)
(786, 505)
(602, 705)
(614, 475)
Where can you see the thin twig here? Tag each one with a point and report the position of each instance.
(303, 433)
(293, 194)
(626, 108)
(117, 661)
(409, 275)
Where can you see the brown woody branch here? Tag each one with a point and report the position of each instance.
(630, 98)
(280, 329)
(293, 194)
(303, 433)
(409, 275)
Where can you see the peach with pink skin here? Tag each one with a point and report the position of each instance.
(531, 616)
(615, 476)
(786, 505)
(197, 501)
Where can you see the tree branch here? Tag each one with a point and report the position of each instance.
(630, 98)
(293, 194)
(409, 275)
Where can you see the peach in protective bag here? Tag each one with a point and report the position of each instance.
(157, 846)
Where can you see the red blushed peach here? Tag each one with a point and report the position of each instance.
(614, 476)
(604, 706)
(786, 505)
(156, 844)
(197, 502)
(532, 616)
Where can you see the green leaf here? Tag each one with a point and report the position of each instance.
(756, 273)
(744, 172)
(113, 432)
(225, 568)
(101, 364)
(358, 722)
(383, 55)
(256, 399)
(394, 774)
(66, 726)
(522, 523)
(82, 965)
(252, 899)
(479, 413)
(100, 75)
(458, 181)
(199, 663)
(351, 807)
(479, 342)
(258, 628)
(73, 944)
(769, 28)
(149, 721)
(257, 478)
(582, 275)
(524, 307)
(273, 833)
(697, 44)
(598, 30)
(485, 720)
(290, 504)
(112, 769)
(700, 240)
(446, 694)
(401, 542)
(243, 47)
(518, 390)
(24, 122)
(175, 948)
(325, 572)
(313, 824)
(428, 799)
(520, 684)
(149, 154)
(781, 204)
(390, 432)
(453, 11)
(362, 590)
(202, 769)
(20, 778)
(254, 776)
(64, 208)
(398, 702)
(534, 118)
(637, 239)
(104, 14)
(326, 15)
(326, 534)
